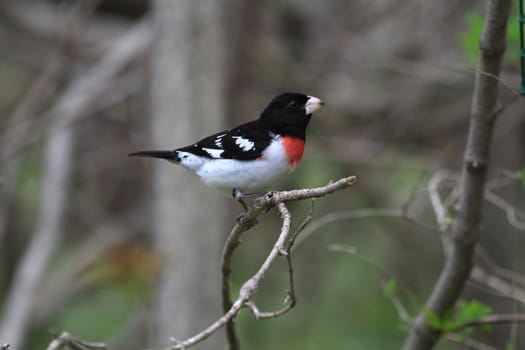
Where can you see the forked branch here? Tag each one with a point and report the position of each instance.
(249, 288)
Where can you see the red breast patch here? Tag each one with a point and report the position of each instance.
(294, 148)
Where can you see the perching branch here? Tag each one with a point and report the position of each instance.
(280, 247)
(264, 203)
(466, 228)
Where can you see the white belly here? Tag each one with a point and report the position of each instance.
(247, 176)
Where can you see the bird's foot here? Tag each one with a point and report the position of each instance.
(239, 196)
(259, 201)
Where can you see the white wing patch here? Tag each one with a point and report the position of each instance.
(244, 144)
(248, 177)
(218, 140)
(214, 153)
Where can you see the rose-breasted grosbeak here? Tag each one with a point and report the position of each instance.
(253, 156)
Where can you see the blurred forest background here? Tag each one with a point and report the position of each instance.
(127, 251)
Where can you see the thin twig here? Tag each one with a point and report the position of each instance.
(441, 206)
(513, 215)
(364, 213)
(489, 320)
(438, 205)
(271, 198)
(401, 309)
(469, 342)
(248, 221)
(499, 271)
(248, 289)
(504, 287)
(396, 301)
(290, 300)
(503, 83)
(67, 341)
(178, 343)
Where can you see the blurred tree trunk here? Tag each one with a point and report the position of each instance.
(187, 104)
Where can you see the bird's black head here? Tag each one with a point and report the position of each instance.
(289, 113)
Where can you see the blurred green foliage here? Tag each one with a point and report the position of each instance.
(469, 39)
(461, 314)
(510, 346)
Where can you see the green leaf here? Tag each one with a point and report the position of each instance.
(391, 289)
(469, 311)
(433, 319)
(464, 312)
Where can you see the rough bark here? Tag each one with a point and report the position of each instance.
(187, 104)
(466, 228)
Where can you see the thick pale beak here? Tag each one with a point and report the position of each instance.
(313, 104)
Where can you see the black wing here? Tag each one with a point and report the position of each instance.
(245, 142)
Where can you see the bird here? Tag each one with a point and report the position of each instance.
(253, 157)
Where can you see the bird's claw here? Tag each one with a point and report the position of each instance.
(257, 202)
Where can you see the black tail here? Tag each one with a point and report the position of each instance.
(169, 155)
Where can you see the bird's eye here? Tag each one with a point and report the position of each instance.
(293, 104)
